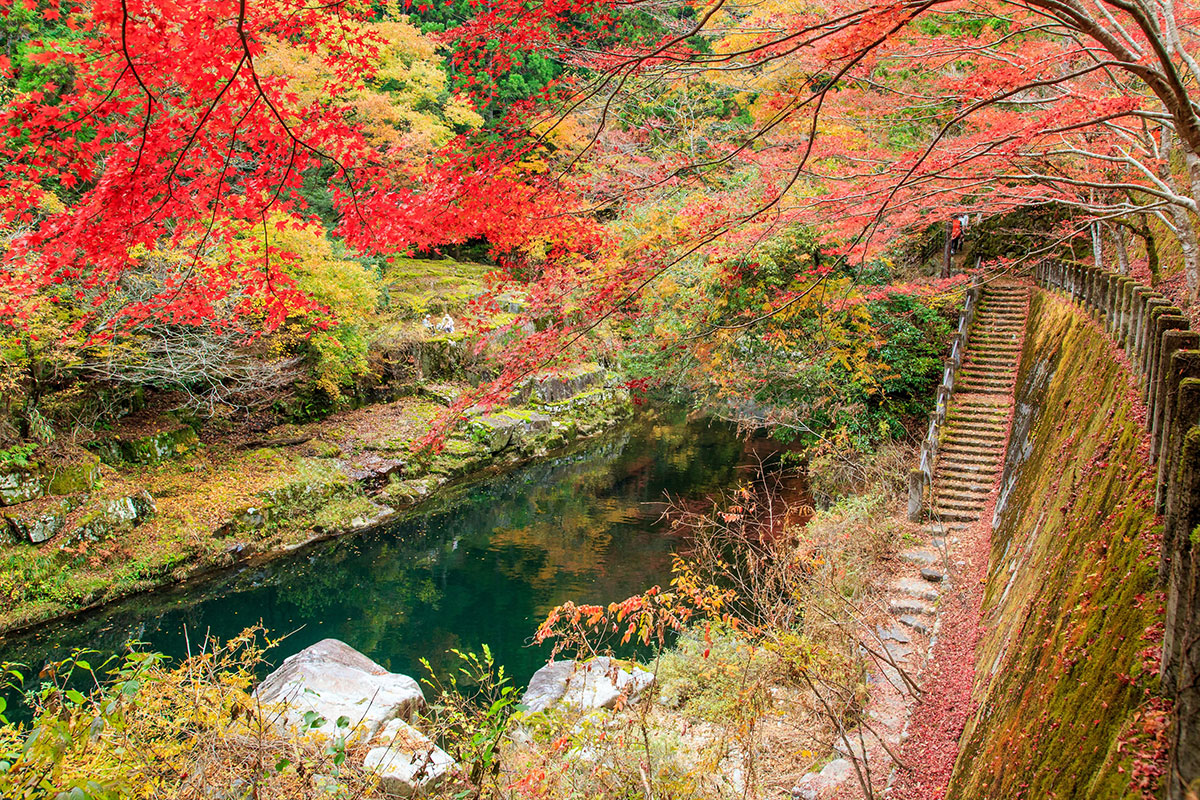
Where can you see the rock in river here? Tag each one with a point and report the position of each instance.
(335, 680)
(597, 683)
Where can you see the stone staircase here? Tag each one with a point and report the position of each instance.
(976, 431)
(970, 455)
(972, 448)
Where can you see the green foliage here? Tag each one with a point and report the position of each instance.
(704, 678)
(472, 710)
(132, 727)
(789, 338)
(17, 455)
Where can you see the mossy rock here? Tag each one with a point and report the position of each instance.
(306, 495)
(292, 500)
(110, 517)
(77, 476)
(153, 448)
(40, 521)
(411, 490)
(20, 484)
(509, 428)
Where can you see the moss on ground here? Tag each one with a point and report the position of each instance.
(1067, 667)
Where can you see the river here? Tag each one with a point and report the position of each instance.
(482, 564)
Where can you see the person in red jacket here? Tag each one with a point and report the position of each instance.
(956, 234)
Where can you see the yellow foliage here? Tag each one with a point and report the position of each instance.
(181, 733)
(401, 110)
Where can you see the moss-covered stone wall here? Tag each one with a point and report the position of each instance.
(1067, 665)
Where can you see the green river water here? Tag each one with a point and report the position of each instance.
(482, 564)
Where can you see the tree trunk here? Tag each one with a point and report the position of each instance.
(946, 250)
(1119, 248)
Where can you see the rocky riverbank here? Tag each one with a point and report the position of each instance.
(333, 692)
(157, 500)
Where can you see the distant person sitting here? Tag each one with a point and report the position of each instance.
(427, 323)
(446, 325)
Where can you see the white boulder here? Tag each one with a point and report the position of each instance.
(598, 683)
(407, 762)
(826, 783)
(334, 680)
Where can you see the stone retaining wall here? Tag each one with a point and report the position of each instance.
(1164, 355)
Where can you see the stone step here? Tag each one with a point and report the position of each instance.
(981, 470)
(991, 362)
(920, 558)
(976, 438)
(909, 605)
(914, 587)
(992, 437)
(965, 492)
(1008, 360)
(986, 379)
(952, 454)
(972, 508)
(984, 428)
(994, 415)
(975, 371)
(954, 514)
(966, 382)
(979, 451)
(975, 409)
(916, 623)
(981, 386)
(965, 479)
(963, 482)
(973, 376)
(940, 528)
(977, 423)
(985, 386)
(991, 365)
(993, 440)
(976, 406)
(932, 574)
(988, 367)
(956, 494)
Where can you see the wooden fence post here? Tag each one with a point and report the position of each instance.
(916, 495)
(1185, 364)
(1183, 505)
(1166, 385)
(1164, 318)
